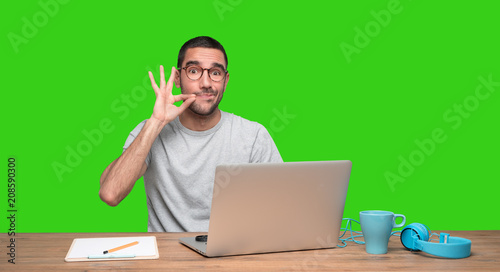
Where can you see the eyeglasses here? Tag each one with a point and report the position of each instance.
(195, 72)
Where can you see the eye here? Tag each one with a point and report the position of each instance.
(216, 72)
(193, 70)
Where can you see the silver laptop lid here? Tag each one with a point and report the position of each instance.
(271, 207)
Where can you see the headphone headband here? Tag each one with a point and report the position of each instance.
(416, 236)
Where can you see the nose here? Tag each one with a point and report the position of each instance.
(205, 80)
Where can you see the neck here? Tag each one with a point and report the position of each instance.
(197, 122)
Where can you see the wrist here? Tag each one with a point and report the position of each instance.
(155, 124)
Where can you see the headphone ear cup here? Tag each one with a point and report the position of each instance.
(424, 232)
(412, 233)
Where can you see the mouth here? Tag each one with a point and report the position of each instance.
(205, 96)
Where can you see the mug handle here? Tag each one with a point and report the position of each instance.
(402, 223)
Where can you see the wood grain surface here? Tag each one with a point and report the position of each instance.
(46, 252)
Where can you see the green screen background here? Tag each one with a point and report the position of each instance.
(404, 79)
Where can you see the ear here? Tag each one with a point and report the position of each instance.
(227, 79)
(177, 78)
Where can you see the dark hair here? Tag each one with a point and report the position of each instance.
(201, 41)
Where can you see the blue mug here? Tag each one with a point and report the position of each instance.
(377, 227)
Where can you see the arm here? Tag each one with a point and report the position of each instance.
(264, 149)
(119, 177)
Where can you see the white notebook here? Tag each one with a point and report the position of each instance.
(91, 249)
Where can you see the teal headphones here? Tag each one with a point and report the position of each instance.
(415, 237)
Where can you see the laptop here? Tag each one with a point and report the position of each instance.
(274, 207)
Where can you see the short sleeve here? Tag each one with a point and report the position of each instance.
(264, 149)
(131, 137)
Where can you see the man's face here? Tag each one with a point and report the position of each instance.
(208, 92)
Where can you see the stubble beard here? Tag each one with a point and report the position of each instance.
(198, 109)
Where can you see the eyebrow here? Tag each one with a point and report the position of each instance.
(214, 64)
(192, 62)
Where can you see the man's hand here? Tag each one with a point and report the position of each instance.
(119, 177)
(164, 110)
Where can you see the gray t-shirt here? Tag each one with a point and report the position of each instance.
(181, 168)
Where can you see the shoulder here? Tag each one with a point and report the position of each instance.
(263, 148)
(242, 124)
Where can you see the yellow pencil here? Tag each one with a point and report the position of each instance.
(120, 247)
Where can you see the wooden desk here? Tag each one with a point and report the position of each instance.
(46, 252)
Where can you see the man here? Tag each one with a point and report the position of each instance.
(178, 148)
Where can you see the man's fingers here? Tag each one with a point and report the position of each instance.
(180, 97)
(170, 82)
(153, 83)
(162, 77)
(186, 104)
